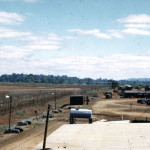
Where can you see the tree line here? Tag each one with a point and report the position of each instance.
(50, 79)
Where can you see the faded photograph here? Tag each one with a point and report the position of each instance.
(74, 74)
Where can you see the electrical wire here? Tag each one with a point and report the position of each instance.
(143, 113)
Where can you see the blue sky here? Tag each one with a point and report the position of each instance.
(83, 38)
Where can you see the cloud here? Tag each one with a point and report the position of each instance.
(138, 24)
(119, 66)
(17, 55)
(142, 26)
(140, 18)
(48, 42)
(10, 33)
(94, 32)
(10, 52)
(45, 46)
(28, 41)
(10, 18)
(52, 36)
(134, 24)
(27, 44)
(116, 33)
(136, 31)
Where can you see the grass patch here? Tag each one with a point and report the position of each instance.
(27, 116)
(37, 125)
(2, 128)
(20, 113)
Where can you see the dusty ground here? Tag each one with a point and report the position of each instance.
(110, 109)
(115, 109)
(34, 133)
(29, 138)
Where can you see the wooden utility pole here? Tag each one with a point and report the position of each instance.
(10, 110)
(46, 126)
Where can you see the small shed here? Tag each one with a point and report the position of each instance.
(76, 100)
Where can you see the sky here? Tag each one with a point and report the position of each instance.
(83, 38)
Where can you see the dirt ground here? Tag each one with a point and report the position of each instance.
(34, 133)
(28, 139)
(116, 109)
(109, 109)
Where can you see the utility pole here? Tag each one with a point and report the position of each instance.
(130, 106)
(46, 126)
(55, 100)
(10, 110)
(36, 115)
(90, 90)
(54, 94)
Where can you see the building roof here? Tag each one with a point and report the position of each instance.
(100, 136)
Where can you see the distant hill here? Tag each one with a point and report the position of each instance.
(139, 79)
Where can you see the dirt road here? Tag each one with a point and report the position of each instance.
(28, 139)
